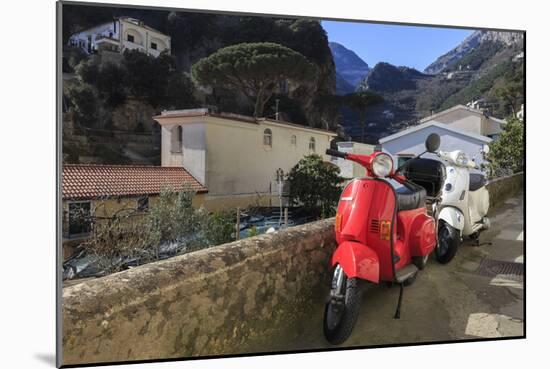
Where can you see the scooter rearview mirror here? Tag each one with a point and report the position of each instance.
(432, 142)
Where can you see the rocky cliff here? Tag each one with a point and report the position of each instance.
(473, 41)
(350, 68)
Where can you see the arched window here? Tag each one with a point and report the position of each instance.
(176, 139)
(312, 144)
(268, 138)
(293, 140)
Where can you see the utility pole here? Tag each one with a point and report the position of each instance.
(238, 225)
(280, 183)
(276, 109)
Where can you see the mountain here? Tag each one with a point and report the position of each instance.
(349, 67)
(343, 87)
(385, 77)
(471, 42)
(475, 70)
(399, 86)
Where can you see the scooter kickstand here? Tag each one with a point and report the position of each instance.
(398, 310)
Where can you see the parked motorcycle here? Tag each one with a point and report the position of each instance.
(384, 234)
(464, 203)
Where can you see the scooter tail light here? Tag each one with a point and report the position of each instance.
(385, 230)
(338, 222)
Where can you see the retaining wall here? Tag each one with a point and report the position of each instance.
(502, 188)
(224, 300)
(234, 298)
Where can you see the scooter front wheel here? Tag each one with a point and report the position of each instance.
(341, 312)
(448, 240)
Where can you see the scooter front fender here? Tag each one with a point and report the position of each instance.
(357, 260)
(453, 217)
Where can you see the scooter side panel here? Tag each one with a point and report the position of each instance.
(478, 204)
(423, 237)
(415, 235)
(357, 260)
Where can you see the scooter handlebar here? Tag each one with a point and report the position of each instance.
(336, 153)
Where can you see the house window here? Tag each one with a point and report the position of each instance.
(177, 134)
(130, 38)
(293, 140)
(268, 138)
(153, 46)
(79, 218)
(143, 203)
(312, 144)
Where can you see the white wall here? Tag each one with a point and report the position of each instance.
(194, 150)
(413, 143)
(469, 121)
(349, 169)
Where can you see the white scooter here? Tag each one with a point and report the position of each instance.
(464, 204)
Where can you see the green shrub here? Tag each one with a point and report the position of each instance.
(85, 104)
(315, 185)
(218, 228)
(253, 231)
(506, 152)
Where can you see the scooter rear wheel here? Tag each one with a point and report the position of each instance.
(448, 240)
(341, 316)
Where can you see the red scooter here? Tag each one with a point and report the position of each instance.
(383, 232)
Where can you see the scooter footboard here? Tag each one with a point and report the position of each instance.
(357, 260)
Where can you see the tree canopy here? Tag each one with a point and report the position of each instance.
(255, 69)
(506, 152)
(315, 185)
(360, 101)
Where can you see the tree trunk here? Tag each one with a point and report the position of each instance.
(259, 106)
(362, 117)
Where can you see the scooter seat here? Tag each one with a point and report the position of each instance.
(410, 198)
(477, 180)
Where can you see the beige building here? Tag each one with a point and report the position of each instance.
(469, 120)
(236, 157)
(349, 169)
(121, 34)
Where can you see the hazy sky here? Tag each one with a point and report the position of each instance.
(411, 46)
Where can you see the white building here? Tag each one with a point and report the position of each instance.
(408, 143)
(469, 120)
(120, 34)
(236, 156)
(349, 169)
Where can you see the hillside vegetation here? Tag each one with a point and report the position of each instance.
(490, 72)
(102, 96)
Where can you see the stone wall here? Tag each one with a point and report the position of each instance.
(234, 298)
(502, 188)
(225, 300)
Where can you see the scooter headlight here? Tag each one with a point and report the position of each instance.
(382, 165)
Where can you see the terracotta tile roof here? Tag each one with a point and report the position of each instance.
(87, 181)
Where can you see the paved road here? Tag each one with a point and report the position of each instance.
(471, 297)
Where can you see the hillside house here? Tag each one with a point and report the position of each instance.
(236, 156)
(123, 33)
(460, 127)
(468, 119)
(105, 190)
